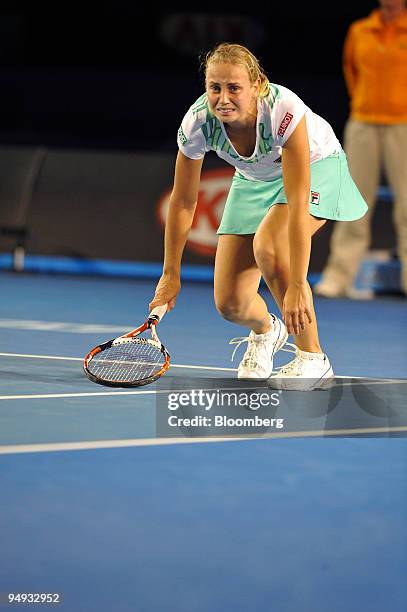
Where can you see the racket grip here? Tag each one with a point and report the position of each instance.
(158, 312)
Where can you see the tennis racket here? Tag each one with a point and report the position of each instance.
(131, 360)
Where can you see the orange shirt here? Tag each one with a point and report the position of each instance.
(375, 69)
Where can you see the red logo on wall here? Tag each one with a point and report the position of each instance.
(284, 124)
(213, 191)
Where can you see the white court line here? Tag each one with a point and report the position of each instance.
(60, 395)
(59, 326)
(100, 444)
(144, 392)
(40, 356)
(97, 393)
(173, 365)
(152, 392)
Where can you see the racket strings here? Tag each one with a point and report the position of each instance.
(132, 360)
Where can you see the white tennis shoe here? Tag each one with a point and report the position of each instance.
(307, 372)
(257, 361)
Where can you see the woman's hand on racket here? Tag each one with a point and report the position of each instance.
(297, 308)
(166, 291)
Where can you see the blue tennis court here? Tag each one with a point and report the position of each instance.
(99, 509)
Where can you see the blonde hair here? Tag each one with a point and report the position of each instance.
(230, 53)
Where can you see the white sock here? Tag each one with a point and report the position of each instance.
(270, 330)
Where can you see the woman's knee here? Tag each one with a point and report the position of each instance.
(270, 260)
(231, 309)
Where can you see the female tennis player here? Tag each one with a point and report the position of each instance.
(291, 176)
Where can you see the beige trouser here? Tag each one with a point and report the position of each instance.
(369, 149)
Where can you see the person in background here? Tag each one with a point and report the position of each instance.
(375, 139)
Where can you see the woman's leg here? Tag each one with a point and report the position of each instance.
(236, 284)
(237, 280)
(272, 255)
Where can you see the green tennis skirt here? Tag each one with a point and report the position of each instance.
(333, 195)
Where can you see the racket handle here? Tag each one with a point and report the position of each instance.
(158, 312)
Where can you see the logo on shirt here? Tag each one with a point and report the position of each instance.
(314, 197)
(284, 124)
(183, 139)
